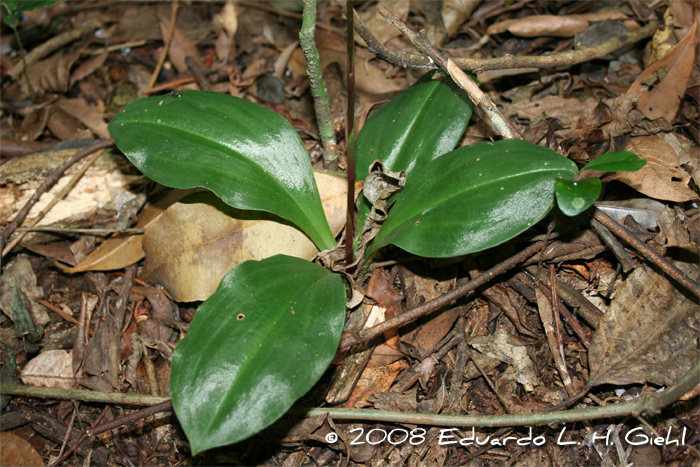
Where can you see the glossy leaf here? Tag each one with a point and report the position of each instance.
(474, 198)
(247, 155)
(416, 127)
(254, 347)
(574, 197)
(622, 161)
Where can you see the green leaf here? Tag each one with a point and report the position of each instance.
(574, 197)
(247, 155)
(17, 6)
(474, 198)
(622, 161)
(416, 127)
(254, 347)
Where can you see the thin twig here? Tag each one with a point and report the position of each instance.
(59, 196)
(350, 142)
(647, 251)
(412, 315)
(66, 230)
(166, 47)
(81, 395)
(421, 42)
(47, 184)
(574, 57)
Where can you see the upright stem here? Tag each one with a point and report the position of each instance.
(318, 89)
(350, 138)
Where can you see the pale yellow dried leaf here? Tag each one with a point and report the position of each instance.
(662, 177)
(194, 244)
(225, 24)
(123, 250)
(53, 369)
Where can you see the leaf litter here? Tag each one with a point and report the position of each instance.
(645, 340)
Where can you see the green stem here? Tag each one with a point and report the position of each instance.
(318, 89)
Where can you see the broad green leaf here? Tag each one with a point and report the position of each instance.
(254, 347)
(474, 198)
(622, 161)
(247, 155)
(574, 197)
(416, 127)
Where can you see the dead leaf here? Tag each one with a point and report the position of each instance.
(66, 127)
(374, 381)
(455, 12)
(508, 349)
(380, 27)
(88, 67)
(87, 114)
(662, 177)
(668, 79)
(677, 230)
(18, 452)
(52, 369)
(51, 74)
(369, 79)
(33, 125)
(180, 48)
(19, 273)
(551, 25)
(568, 110)
(123, 250)
(196, 242)
(649, 333)
(225, 24)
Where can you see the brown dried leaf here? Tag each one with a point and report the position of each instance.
(649, 332)
(51, 74)
(374, 381)
(52, 369)
(662, 177)
(87, 114)
(18, 452)
(66, 127)
(180, 48)
(568, 110)
(88, 67)
(196, 242)
(122, 250)
(33, 125)
(669, 76)
(455, 12)
(550, 25)
(380, 27)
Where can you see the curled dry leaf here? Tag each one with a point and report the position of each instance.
(51, 74)
(551, 25)
(662, 177)
(668, 78)
(180, 48)
(225, 24)
(455, 12)
(20, 273)
(52, 369)
(198, 240)
(649, 332)
(380, 27)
